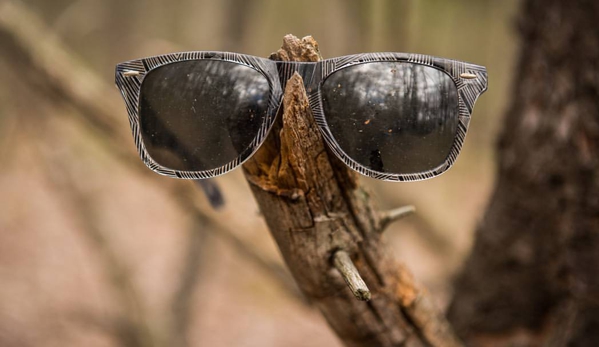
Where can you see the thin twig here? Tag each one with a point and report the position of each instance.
(388, 217)
(350, 274)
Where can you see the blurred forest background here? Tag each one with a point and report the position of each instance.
(96, 250)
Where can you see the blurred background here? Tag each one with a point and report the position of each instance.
(96, 250)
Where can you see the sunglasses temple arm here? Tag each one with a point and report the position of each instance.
(212, 192)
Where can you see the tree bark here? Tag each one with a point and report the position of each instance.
(329, 231)
(533, 273)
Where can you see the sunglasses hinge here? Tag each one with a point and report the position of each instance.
(468, 76)
(131, 73)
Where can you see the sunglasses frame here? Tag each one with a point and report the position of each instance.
(470, 80)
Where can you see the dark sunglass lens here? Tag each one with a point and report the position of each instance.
(202, 114)
(392, 117)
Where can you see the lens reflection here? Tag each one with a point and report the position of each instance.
(392, 117)
(201, 115)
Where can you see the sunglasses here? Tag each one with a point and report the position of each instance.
(390, 116)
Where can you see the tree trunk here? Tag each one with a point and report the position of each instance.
(329, 231)
(533, 275)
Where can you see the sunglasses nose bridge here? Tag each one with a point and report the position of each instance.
(306, 70)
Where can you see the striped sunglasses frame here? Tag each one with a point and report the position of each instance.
(470, 80)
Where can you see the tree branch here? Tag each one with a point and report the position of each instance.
(133, 326)
(56, 75)
(317, 211)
